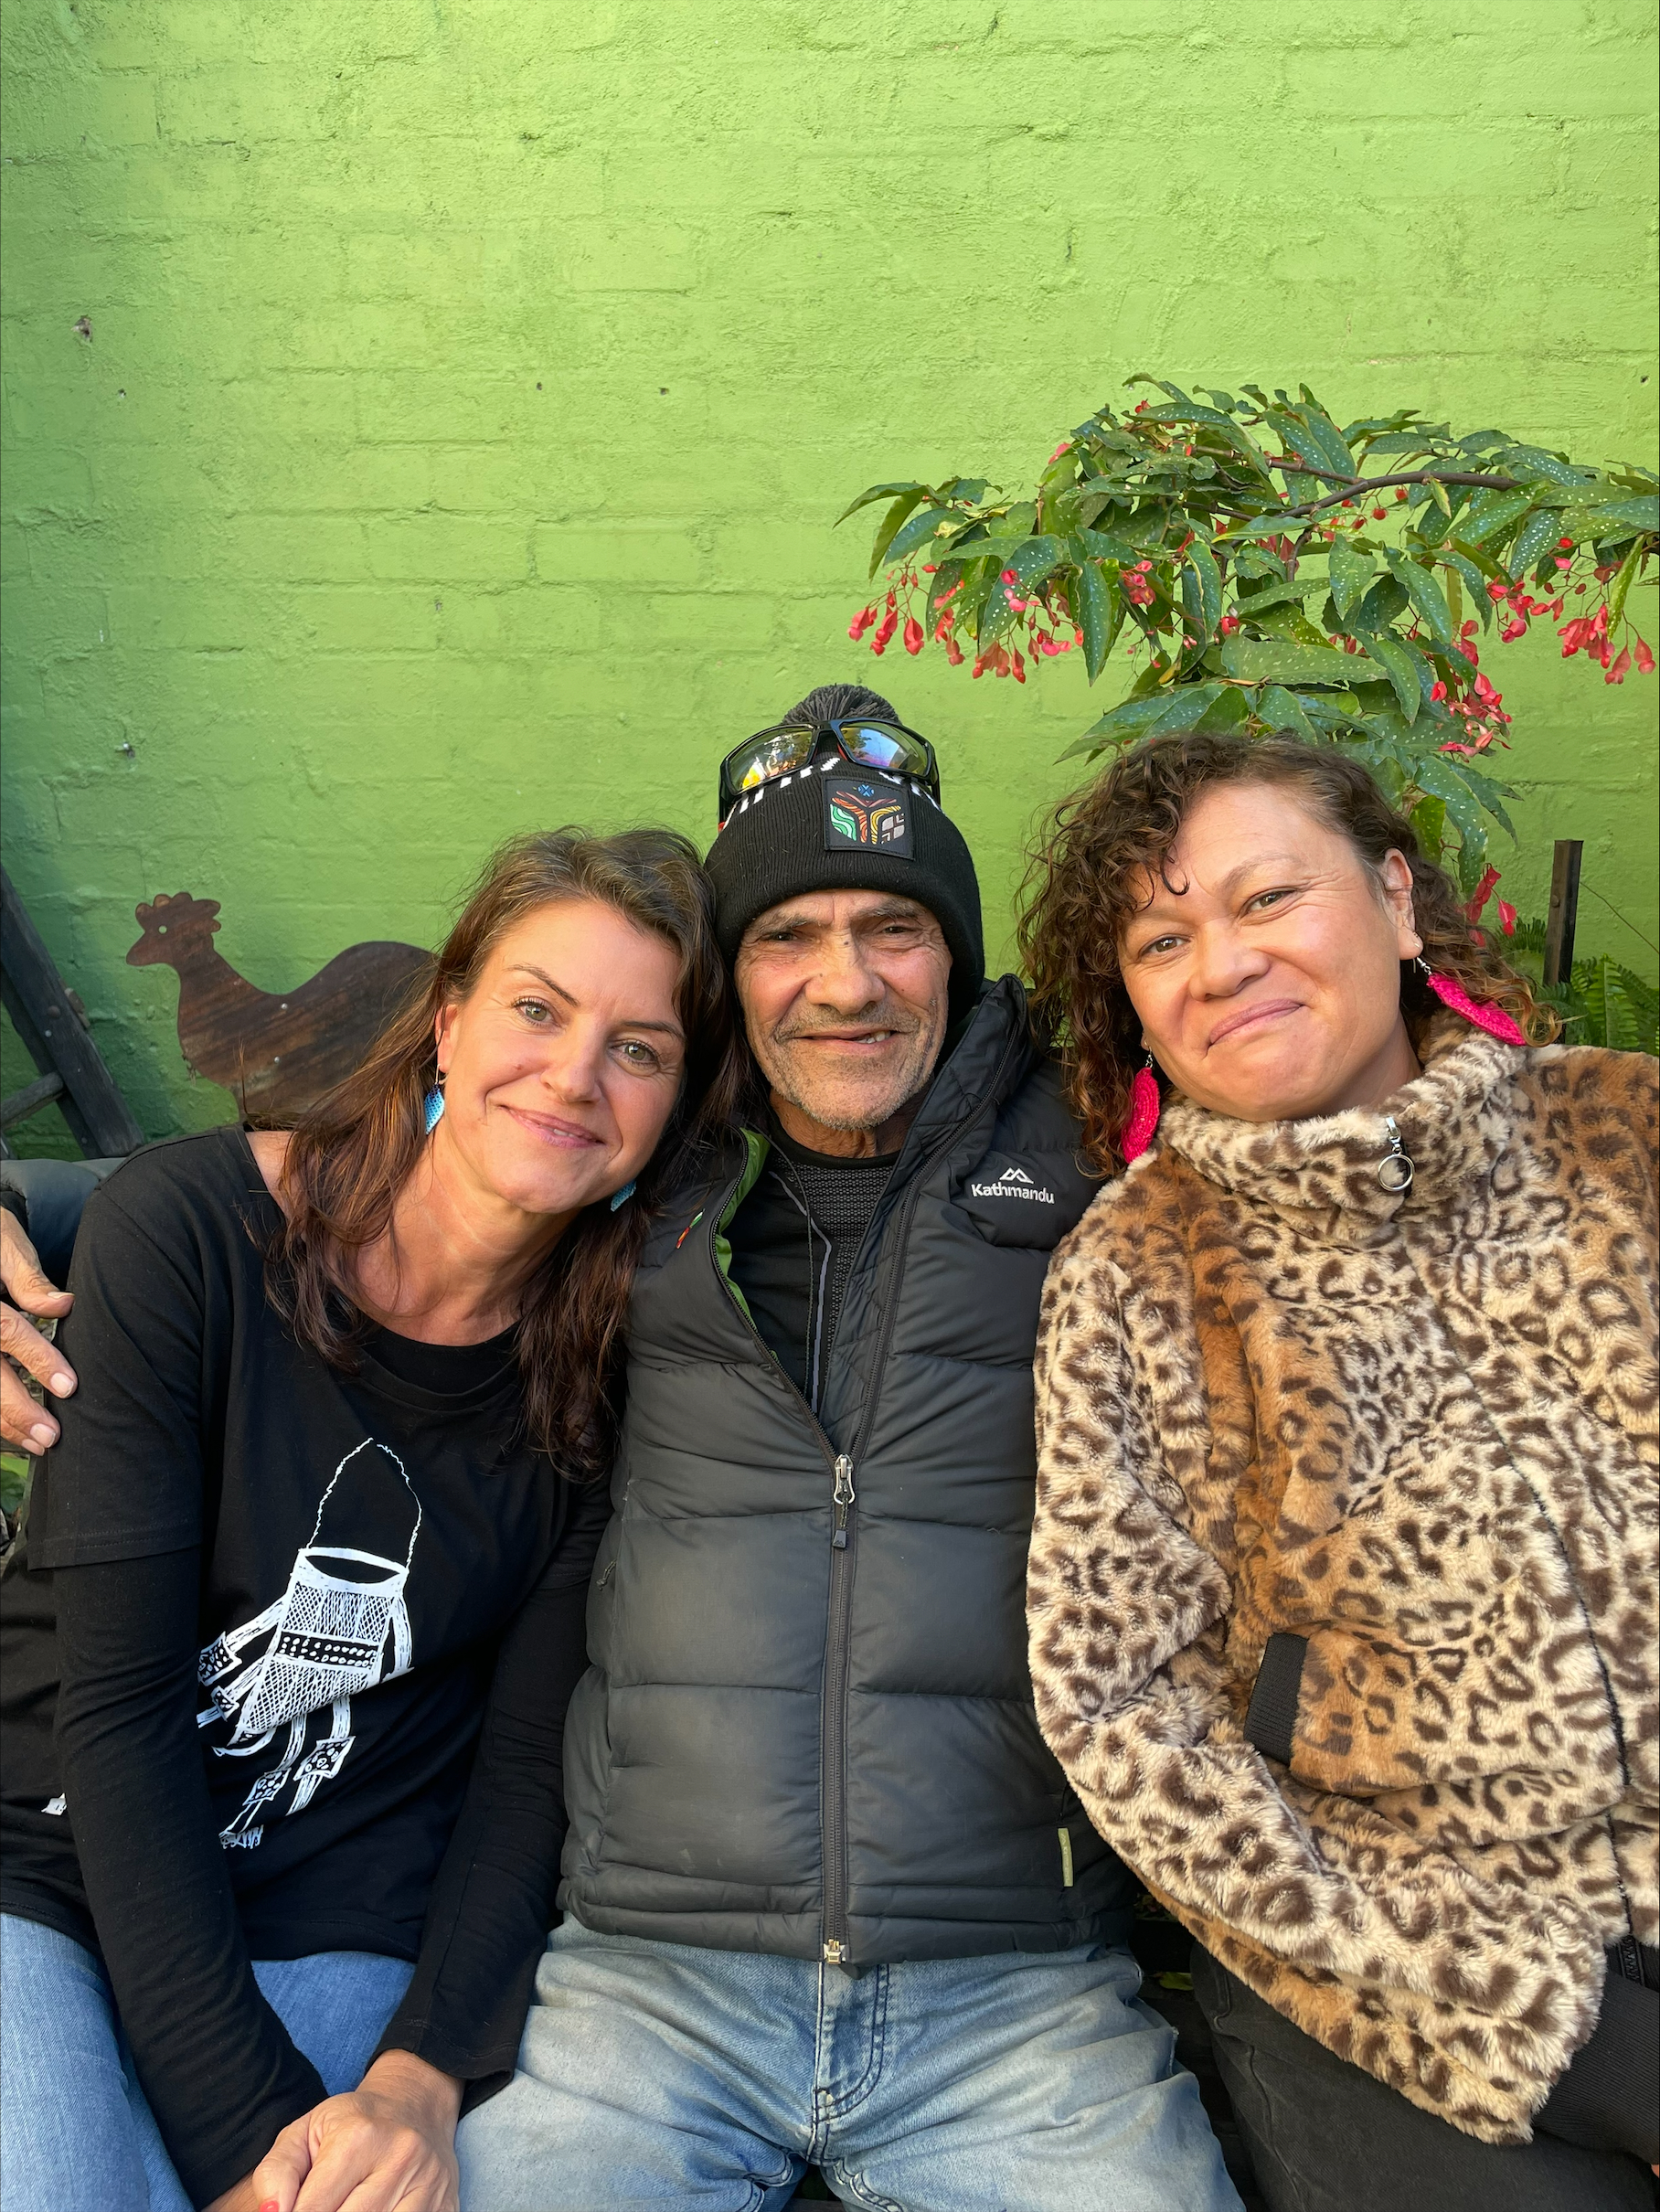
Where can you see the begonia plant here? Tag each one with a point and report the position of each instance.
(1271, 570)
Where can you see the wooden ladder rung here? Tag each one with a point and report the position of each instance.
(30, 1098)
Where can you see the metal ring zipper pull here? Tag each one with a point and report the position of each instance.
(1395, 1170)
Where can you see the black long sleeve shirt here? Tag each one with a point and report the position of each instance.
(248, 1637)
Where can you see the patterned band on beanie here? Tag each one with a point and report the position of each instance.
(835, 826)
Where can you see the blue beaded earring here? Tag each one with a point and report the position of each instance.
(622, 1197)
(435, 1105)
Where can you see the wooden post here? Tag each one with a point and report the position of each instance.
(1564, 911)
(47, 1016)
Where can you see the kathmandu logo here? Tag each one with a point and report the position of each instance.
(1014, 1183)
(866, 815)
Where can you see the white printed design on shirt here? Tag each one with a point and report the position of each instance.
(340, 1627)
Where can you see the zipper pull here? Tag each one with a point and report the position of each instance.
(844, 1498)
(1395, 1169)
(835, 1954)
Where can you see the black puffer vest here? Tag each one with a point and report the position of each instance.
(808, 1727)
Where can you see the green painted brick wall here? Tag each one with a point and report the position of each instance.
(471, 387)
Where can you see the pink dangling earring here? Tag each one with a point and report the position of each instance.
(1451, 994)
(1143, 1112)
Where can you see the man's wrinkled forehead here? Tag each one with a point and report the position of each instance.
(819, 911)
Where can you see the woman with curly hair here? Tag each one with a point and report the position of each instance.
(1343, 1582)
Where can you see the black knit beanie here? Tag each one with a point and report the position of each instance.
(835, 827)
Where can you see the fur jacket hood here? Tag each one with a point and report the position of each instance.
(1342, 1589)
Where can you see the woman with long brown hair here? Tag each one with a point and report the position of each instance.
(1343, 1587)
(322, 1511)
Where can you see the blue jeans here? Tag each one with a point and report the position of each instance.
(75, 2130)
(653, 2074)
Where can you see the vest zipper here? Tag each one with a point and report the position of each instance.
(833, 1771)
(843, 1495)
(833, 1758)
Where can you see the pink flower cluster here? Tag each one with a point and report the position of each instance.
(1045, 615)
(1523, 607)
(1586, 633)
(1589, 634)
(1048, 605)
(1136, 583)
(1479, 704)
(1484, 891)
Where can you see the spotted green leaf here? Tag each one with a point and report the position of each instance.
(1282, 709)
(1120, 724)
(917, 530)
(1623, 583)
(1396, 662)
(1202, 561)
(1309, 583)
(1426, 595)
(1187, 704)
(1351, 575)
(890, 527)
(1100, 610)
(1271, 661)
(1533, 540)
(878, 491)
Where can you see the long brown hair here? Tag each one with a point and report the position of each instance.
(353, 1150)
(1087, 873)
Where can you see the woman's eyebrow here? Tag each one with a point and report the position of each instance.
(1295, 862)
(1166, 898)
(526, 967)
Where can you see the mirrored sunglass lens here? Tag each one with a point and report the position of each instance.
(879, 747)
(773, 755)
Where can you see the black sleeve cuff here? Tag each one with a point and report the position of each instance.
(1272, 1721)
(1609, 2099)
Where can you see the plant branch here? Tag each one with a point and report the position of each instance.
(1368, 484)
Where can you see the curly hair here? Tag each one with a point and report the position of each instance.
(1086, 877)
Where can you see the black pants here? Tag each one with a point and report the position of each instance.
(1326, 2137)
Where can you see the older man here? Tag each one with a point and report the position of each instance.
(827, 1897)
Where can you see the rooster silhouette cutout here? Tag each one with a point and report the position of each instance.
(275, 1053)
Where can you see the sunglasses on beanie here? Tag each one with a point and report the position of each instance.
(865, 741)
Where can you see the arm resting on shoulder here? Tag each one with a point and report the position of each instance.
(24, 1423)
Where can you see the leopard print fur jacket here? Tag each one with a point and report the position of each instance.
(1420, 1429)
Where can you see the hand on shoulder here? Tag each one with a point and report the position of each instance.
(23, 1423)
